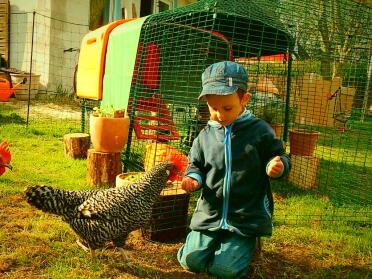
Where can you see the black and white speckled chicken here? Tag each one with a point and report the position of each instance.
(109, 215)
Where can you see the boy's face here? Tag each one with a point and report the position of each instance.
(225, 109)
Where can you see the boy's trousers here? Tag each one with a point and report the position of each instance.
(221, 253)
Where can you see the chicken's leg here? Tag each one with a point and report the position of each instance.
(85, 248)
(119, 243)
(124, 253)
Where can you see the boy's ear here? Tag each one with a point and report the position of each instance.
(246, 98)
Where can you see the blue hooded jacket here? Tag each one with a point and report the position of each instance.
(230, 165)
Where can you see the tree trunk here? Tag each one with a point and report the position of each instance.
(76, 145)
(103, 167)
(326, 66)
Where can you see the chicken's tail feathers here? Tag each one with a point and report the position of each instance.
(180, 162)
(46, 198)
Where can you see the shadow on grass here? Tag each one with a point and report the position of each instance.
(289, 261)
(343, 184)
(12, 118)
(147, 260)
(293, 262)
(340, 196)
(144, 271)
(351, 138)
(286, 189)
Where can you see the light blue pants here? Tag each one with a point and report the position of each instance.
(221, 253)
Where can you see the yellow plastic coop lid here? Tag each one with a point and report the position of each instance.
(91, 66)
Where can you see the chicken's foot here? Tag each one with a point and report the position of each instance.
(124, 254)
(85, 248)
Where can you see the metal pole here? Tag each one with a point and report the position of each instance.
(83, 107)
(174, 5)
(366, 92)
(30, 73)
(288, 94)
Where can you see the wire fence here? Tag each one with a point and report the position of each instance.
(309, 66)
(46, 98)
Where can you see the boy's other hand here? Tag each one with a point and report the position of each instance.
(275, 167)
(189, 184)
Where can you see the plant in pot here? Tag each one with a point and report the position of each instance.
(273, 113)
(108, 129)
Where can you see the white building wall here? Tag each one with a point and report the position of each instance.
(59, 25)
(21, 19)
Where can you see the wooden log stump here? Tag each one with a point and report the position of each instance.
(103, 167)
(76, 145)
(304, 171)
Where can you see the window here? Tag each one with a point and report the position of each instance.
(163, 6)
(154, 6)
(146, 7)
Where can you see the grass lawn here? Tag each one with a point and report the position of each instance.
(38, 245)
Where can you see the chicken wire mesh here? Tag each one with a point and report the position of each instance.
(330, 95)
(175, 48)
(46, 97)
(302, 80)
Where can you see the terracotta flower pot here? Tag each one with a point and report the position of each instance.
(303, 142)
(108, 134)
(278, 129)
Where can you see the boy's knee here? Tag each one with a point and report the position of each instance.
(190, 261)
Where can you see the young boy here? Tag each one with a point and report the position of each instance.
(231, 161)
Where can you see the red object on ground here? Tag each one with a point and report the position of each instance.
(6, 91)
(5, 156)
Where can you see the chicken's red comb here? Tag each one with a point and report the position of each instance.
(5, 153)
(181, 162)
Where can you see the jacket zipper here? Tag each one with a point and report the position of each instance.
(227, 179)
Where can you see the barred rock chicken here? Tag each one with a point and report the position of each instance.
(101, 216)
(5, 157)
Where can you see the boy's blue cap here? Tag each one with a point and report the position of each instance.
(224, 78)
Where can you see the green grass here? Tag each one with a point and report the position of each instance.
(39, 158)
(314, 235)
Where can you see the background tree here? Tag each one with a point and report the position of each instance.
(333, 31)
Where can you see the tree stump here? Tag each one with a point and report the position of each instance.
(103, 167)
(304, 171)
(76, 145)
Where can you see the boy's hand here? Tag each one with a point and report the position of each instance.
(189, 184)
(275, 167)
